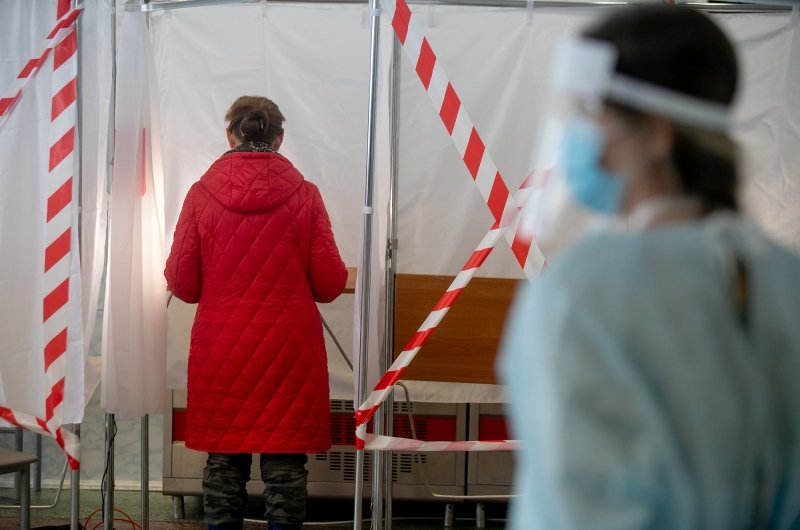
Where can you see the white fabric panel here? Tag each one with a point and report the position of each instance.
(95, 88)
(22, 384)
(24, 153)
(767, 119)
(134, 325)
(501, 80)
(313, 60)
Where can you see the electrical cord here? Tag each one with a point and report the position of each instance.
(126, 519)
(336, 341)
(104, 481)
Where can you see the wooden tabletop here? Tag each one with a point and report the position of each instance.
(11, 461)
(350, 286)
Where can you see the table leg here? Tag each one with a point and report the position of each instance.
(25, 498)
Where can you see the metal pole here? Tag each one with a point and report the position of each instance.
(145, 493)
(75, 491)
(378, 473)
(391, 259)
(75, 474)
(753, 6)
(367, 249)
(25, 497)
(108, 503)
(37, 448)
(112, 105)
(18, 446)
(145, 472)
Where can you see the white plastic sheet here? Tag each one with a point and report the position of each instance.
(134, 325)
(767, 118)
(313, 60)
(24, 154)
(95, 86)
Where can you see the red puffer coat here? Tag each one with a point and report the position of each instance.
(254, 248)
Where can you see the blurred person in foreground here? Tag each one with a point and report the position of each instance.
(653, 372)
(254, 249)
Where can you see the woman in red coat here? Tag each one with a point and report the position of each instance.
(254, 249)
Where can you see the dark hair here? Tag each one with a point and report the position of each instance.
(683, 50)
(255, 119)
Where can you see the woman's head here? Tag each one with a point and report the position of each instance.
(683, 51)
(254, 119)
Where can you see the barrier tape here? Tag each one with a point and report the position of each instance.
(398, 367)
(61, 29)
(493, 188)
(504, 208)
(62, 42)
(67, 440)
(58, 229)
(406, 445)
(381, 391)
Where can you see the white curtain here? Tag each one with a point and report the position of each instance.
(313, 60)
(134, 324)
(26, 183)
(95, 74)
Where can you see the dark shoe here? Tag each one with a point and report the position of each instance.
(276, 526)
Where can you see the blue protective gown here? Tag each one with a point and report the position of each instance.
(646, 396)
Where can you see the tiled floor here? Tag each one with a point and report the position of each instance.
(321, 513)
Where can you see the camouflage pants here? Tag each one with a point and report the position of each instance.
(225, 496)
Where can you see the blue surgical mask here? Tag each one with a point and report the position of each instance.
(591, 185)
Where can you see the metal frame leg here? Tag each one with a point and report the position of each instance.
(25, 498)
(178, 508)
(18, 476)
(75, 491)
(145, 472)
(480, 515)
(108, 507)
(449, 515)
(37, 474)
(75, 500)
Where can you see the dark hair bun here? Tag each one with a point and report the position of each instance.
(254, 126)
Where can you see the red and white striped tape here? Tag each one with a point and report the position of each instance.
(63, 43)
(395, 372)
(64, 26)
(406, 445)
(505, 209)
(381, 391)
(470, 145)
(58, 228)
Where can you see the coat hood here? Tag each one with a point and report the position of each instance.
(251, 181)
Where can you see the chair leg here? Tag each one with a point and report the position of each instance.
(480, 515)
(449, 515)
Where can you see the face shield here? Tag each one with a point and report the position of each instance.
(581, 195)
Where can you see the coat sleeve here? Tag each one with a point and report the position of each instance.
(327, 272)
(184, 270)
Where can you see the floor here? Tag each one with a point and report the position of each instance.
(323, 514)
